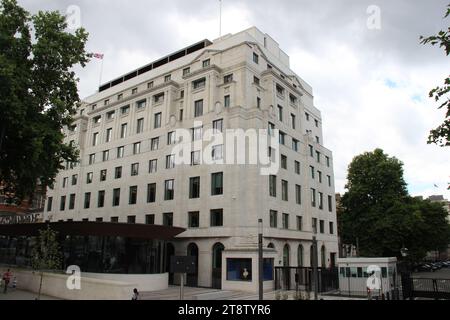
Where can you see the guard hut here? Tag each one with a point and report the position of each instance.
(355, 272)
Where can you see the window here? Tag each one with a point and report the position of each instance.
(186, 71)
(116, 197)
(157, 121)
(314, 225)
(316, 122)
(89, 177)
(217, 152)
(95, 139)
(317, 139)
(295, 144)
(307, 116)
(228, 78)
(72, 201)
(101, 199)
(328, 161)
(299, 223)
(92, 158)
(155, 144)
(255, 58)
(134, 169)
(110, 115)
(312, 170)
(331, 227)
(282, 138)
(103, 175)
(198, 108)
(74, 179)
(280, 113)
(151, 192)
(280, 90)
(181, 115)
(87, 200)
(217, 183)
(118, 173)
(105, 155)
(319, 173)
(206, 63)
(97, 120)
(123, 130)
(298, 194)
(273, 186)
(199, 84)
(134, 91)
(293, 121)
(258, 102)
(320, 200)
(330, 203)
(170, 161)
(194, 188)
(271, 129)
(131, 219)
(292, 99)
(125, 110)
(321, 226)
(283, 162)
(49, 203)
(167, 78)
(137, 148)
(217, 218)
(108, 135)
(140, 126)
(149, 219)
(284, 190)
(193, 219)
(227, 101)
(150, 85)
(329, 180)
(140, 105)
(153, 166)
(171, 138)
(64, 184)
(133, 195)
(297, 167)
(285, 221)
(197, 133)
(158, 98)
(273, 219)
(181, 94)
(62, 204)
(318, 156)
(256, 80)
(239, 269)
(313, 197)
(168, 219)
(311, 150)
(169, 190)
(218, 126)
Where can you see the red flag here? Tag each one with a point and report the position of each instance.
(98, 55)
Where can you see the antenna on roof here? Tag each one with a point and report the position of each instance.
(220, 18)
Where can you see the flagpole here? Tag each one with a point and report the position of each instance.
(101, 73)
(220, 19)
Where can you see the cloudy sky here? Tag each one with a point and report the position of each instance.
(371, 84)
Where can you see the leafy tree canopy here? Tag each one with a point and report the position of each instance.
(38, 95)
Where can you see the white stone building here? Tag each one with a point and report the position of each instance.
(126, 174)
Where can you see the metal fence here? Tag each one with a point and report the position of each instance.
(413, 287)
(302, 278)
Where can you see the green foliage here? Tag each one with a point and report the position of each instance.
(39, 95)
(46, 253)
(378, 212)
(441, 135)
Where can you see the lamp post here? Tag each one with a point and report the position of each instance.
(315, 263)
(260, 259)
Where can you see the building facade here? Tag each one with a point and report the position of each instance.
(126, 134)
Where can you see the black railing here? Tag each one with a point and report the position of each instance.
(302, 278)
(425, 287)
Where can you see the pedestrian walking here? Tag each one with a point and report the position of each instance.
(6, 279)
(135, 294)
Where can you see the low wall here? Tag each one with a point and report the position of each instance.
(93, 286)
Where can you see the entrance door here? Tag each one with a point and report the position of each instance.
(170, 253)
(192, 279)
(217, 265)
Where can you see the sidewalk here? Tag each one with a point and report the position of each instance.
(14, 294)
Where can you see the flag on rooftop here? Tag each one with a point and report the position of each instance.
(98, 55)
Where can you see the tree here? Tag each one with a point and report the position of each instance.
(441, 135)
(39, 96)
(379, 214)
(46, 254)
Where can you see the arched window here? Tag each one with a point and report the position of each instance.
(271, 246)
(286, 254)
(300, 256)
(217, 255)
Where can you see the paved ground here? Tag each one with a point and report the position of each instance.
(22, 295)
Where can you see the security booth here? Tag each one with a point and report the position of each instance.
(375, 278)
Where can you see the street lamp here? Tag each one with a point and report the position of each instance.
(260, 259)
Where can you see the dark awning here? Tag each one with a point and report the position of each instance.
(105, 229)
